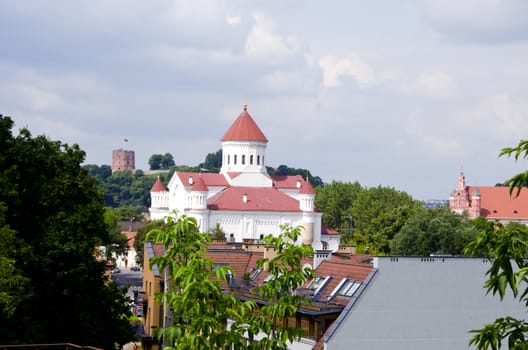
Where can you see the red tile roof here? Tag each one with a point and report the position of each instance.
(244, 129)
(306, 188)
(339, 271)
(158, 186)
(286, 182)
(209, 179)
(325, 230)
(199, 185)
(496, 202)
(258, 199)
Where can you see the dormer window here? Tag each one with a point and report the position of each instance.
(349, 288)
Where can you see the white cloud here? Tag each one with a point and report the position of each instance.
(335, 69)
(432, 84)
(264, 43)
(501, 117)
(486, 21)
(233, 20)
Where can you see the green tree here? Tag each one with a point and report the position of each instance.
(335, 201)
(201, 308)
(507, 248)
(213, 162)
(433, 231)
(367, 217)
(155, 161)
(379, 213)
(53, 219)
(167, 161)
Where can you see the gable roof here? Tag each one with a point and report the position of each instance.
(244, 129)
(257, 199)
(199, 185)
(209, 179)
(496, 202)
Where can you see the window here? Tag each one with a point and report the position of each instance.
(251, 160)
(318, 283)
(349, 288)
(228, 159)
(258, 160)
(254, 273)
(235, 159)
(243, 159)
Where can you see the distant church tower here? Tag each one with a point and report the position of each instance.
(123, 160)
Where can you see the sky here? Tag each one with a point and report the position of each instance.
(404, 94)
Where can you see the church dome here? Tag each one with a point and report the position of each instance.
(244, 129)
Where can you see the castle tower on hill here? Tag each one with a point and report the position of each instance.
(123, 160)
(243, 198)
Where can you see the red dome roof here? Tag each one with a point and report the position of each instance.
(244, 129)
(307, 188)
(158, 186)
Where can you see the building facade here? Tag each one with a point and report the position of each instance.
(490, 202)
(243, 199)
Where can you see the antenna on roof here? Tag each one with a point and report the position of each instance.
(245, 102)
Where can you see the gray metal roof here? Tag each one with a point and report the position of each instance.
(421, 303)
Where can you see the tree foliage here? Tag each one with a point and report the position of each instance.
(213, 162)
(507, 248)
(433, 231)
(284, 170)
(367, 217)
(52, 219)
(161, 161)
(201, 309)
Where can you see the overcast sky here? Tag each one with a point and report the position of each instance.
(403, 93)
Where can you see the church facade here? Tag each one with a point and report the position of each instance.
(490, 202)
(243, 199)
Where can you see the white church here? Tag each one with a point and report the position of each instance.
(243, 198)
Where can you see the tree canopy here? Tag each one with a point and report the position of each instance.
(433, 231)
(367, 217)
(53, 287)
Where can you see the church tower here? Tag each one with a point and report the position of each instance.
(243, 146)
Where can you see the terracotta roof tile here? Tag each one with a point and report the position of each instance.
(496, 202)
(258, 199)
(306, 188)
(340, 270)
(244, 129)
(199, 185)
(325, 230)
(285, 181)
(158, 186)
(209, 179)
